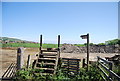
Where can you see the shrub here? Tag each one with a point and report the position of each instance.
(92, 75)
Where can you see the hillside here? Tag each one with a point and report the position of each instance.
(7, 39)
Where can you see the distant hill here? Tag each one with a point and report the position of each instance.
(7, 39)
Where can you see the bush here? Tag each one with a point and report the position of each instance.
(92, 75)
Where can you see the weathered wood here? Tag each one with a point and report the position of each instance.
(107, 62)
(56, 63)
(40, 45)
(48, 57)
(7, 71)
(83, 63)
(58, 41)
(110, 68)
(70, 65)
(46, 63)
(47, 54)
(87, 51)
(20, 61)
(28, 61)
(71, 59)
(49, 50)
(10, 72)
(110, 74)
(104, 74)
(58, 46)
(40, 41)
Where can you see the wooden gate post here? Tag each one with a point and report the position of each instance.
(28, 61)
(83, 63)
(59, 45)
(40, 44)
(20, 61)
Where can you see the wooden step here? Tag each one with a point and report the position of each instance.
(71, 68)
(48, 54)
(45, 68)
(42, 59)
(46, 63)
(49, 57)
(49, 50)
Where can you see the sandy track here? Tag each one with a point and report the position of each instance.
(7, 56)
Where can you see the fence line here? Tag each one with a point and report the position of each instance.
(106, 68)
(10, 72)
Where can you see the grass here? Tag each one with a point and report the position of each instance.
(34, 45)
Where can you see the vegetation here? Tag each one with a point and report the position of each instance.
(20, 45)
(92, 75)
(10, 39)
(113, 42)
(116, 69)
(30, 45)
(23, 43)
(101, 44)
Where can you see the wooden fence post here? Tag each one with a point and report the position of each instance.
(40, 43)
(83, 63)
(20, 61)
(59, 46)
(28, 61)
(98, 60)
(110, 68)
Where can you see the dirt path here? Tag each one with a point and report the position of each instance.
(7, 56)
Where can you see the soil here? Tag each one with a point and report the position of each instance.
(8, 56)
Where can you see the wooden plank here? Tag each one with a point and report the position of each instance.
(115, 75)
(73, 64)
(47, 54)
(7, 70)
(46, 63)
(105, 74)
(56, 63)
(49, 50)
(44, 56)
(106, 68)
(45, 68)
(71, 59)
(110, 71)
(107, 62)
(46, 59)
(71, 68)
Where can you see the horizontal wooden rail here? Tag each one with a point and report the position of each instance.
(107, 62)
(10, 72)
(104, 74)
(110, 74)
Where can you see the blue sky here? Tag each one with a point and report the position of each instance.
(27, 20)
